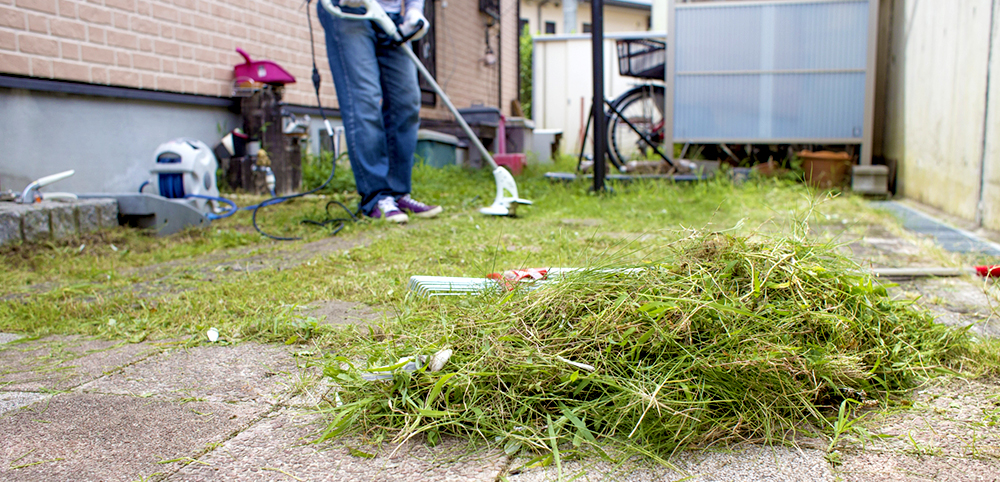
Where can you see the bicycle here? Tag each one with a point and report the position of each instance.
(635, 119)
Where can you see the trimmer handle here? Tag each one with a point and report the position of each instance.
(373, 12)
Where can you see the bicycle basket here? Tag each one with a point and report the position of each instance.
(642, 58)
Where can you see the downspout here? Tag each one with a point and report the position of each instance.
(500, 61)
(569, 15)
(986, 119)
(538, 26)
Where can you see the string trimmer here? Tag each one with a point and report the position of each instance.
(507, 199)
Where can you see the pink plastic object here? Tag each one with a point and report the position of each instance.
(264, 71)
(513, 162)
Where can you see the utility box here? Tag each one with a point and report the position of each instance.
(437, 149)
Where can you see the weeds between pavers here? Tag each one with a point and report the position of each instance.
(723, 338)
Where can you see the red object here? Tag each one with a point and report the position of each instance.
(511, 277)
(991, 271)
(513, 162)
(264, 71)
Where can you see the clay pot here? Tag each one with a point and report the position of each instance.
(825, 169)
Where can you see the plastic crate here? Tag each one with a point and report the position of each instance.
(642, 58)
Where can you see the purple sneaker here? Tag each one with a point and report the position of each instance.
(417, 208)
(388, 210)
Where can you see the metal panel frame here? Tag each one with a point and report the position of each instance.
(870, 63)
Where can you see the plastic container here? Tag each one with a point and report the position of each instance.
(481, 115)
(437, 149)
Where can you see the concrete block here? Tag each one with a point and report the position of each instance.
(108, 212)
(872, 180)
(36, 225)
(10, 224)
(88, 215)
(63, 217)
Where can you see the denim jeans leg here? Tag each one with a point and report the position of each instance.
(350, 47)
(400, 113)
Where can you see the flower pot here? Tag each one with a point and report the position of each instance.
(825, 169)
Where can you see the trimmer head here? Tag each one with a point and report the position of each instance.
(507, 200)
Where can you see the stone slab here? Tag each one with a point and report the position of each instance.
(60, 363)
(9, 337)
(749, 463)
(78, 436)
(221, 373)
(279, 448)
(10, 225)
(63, 220)
(35, 225)
(14, 400)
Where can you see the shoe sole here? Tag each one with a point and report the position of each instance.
(429, 213)
(399, 218)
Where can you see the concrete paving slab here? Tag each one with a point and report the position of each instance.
(751, 463)
(870, 466)
(957, 302)
(342, 313)
(60, 363)
(14, 400)
(278, 448)
(9, 337)
(217, 373)
(112, 437)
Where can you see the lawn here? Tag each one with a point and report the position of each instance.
(745, 321)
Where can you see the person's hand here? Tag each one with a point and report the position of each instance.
(411, 22)
(352, 3)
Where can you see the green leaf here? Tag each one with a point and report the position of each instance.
(437, 389)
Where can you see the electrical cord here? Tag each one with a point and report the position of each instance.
(353, 217)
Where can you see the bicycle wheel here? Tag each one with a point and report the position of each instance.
(643, 108)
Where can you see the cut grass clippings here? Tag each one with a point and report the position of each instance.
(720, 338)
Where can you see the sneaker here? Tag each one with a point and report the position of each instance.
(388, 210)
(417, 208)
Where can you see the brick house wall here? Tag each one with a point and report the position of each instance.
(188, 46)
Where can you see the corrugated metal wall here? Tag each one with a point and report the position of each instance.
(771, 71)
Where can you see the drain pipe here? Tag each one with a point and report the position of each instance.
(538, 27)
(569, 15)
(986, 118)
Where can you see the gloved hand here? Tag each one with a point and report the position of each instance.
(411, 19)
(352, 3)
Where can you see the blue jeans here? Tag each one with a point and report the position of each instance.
(379, 98)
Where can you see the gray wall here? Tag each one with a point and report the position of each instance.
(109, 142)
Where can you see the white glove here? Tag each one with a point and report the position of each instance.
(352, 3)
(410, 20)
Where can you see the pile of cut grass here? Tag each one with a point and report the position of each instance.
(723, 338)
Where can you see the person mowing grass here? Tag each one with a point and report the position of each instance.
(380, 105)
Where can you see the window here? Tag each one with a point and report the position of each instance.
(588, 28)
(521, 24)
(550, 27)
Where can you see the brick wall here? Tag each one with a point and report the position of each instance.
(461, 48)
(188, 46)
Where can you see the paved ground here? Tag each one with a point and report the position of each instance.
(79, 409)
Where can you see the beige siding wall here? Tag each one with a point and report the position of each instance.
(936, 107)
(616, 19)
(990, 181)
(188, 46)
